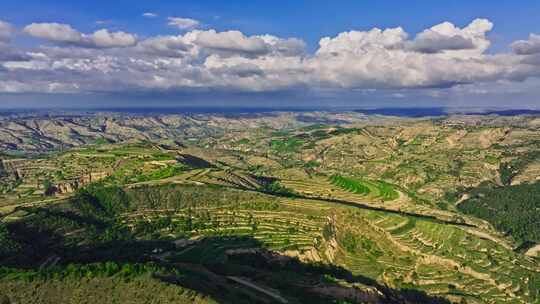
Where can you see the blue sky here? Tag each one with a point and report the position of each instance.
(308, 21)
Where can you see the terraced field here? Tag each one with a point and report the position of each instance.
(316, 214)
(375, 189)
(410, 251)
(275, 230)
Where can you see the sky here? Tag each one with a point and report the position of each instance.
(79, 54)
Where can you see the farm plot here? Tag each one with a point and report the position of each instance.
(276, 230)
(470, 265)
(375, 189)
(438, 258)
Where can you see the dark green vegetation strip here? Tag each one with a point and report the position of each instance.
(165, 172)
(512, 209)
(289, 145)
(379, 189)
(511, 169)
(349, 184)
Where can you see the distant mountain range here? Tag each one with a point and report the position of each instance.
(39, 132)
(233, 111)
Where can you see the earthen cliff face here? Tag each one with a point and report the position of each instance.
(73, 185)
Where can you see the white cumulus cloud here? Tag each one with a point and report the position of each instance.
(441, 56)
(6, 31)
(104, 38)
(65, 34)
(54, 32)
(183, 23)
(233, 41)
(527, 47)
(150, 15)
(390, 60)
(447, 37)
